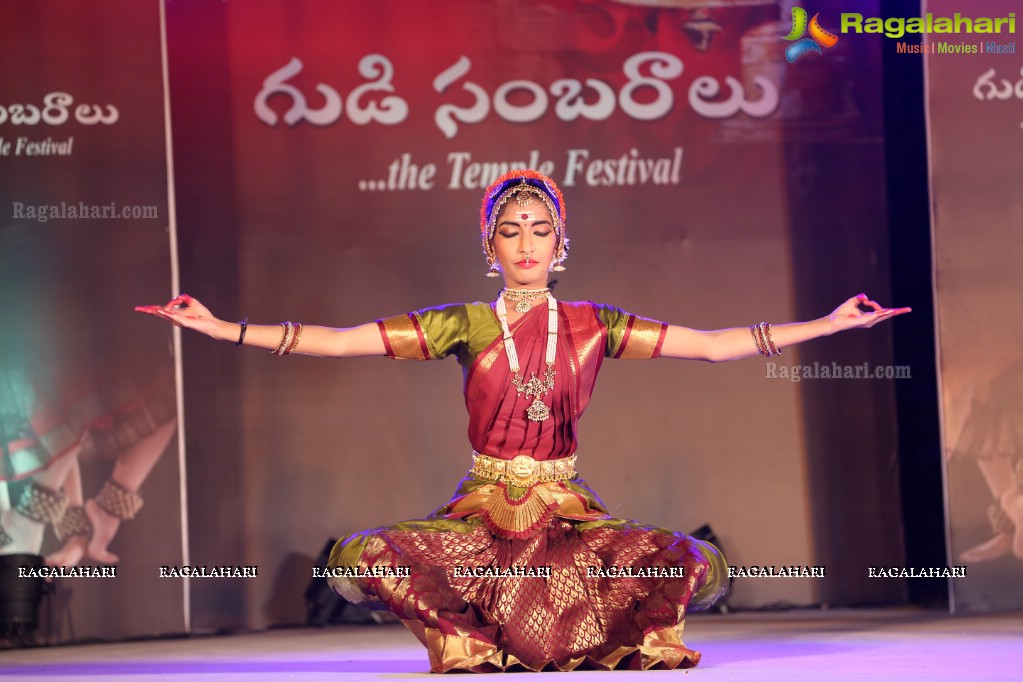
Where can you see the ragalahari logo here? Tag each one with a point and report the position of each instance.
(819, 37)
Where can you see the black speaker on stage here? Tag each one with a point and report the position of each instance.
(322, 605)
(20, 596)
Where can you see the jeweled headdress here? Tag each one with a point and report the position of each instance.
(523, 185)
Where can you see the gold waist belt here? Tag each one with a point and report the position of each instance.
(522, 470)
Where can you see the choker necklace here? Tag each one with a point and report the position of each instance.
(535, 388)
(524, 297)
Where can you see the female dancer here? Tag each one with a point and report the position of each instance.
(524, 568)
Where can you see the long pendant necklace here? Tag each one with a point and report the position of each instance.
(535, 388)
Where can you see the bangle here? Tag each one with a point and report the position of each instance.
(765, 328)
(241, 335)
(761, 348)
(285, 339)
(294, 342)
(762, 338)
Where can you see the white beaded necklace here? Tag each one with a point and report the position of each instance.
(535, 388)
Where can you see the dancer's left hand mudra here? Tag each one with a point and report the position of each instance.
(851, 315)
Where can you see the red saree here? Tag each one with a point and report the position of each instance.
(505, 577)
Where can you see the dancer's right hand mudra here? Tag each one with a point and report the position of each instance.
(187, 312)
(184, 311)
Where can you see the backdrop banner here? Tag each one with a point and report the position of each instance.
(976, 132)
(329, 162)
(88, 415)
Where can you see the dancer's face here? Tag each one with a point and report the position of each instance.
(524, 242)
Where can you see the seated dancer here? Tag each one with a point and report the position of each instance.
(512, 572)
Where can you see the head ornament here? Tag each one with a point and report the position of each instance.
(523, 185)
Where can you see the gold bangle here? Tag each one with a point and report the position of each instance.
(755, 331)
(294, 342)
(766, 329)
(285, 338)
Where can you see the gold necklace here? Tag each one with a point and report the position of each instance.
(524, 297)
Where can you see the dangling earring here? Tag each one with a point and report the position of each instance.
(494, 271)
(559, 257)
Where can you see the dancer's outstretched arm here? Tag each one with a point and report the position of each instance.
(187, 312)
(738, 342)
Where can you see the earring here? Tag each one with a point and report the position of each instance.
(556, 264)
(494, 271)
(559, 257)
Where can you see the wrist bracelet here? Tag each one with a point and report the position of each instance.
(762, 338)
(285, 338)
(294, 341)
(241, 336)
(765, 327)
(761, 347)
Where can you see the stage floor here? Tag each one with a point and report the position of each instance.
(811, 646)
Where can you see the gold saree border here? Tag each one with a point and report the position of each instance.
(642, 339)
(660, 650)
(403, 337)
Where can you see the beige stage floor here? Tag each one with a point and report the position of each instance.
(806, 646)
